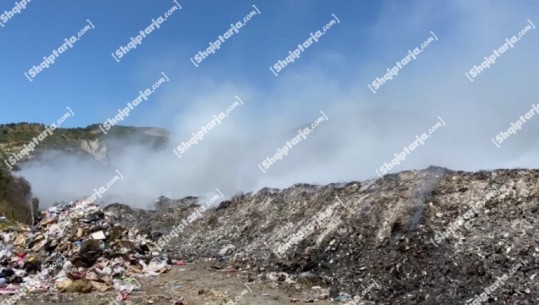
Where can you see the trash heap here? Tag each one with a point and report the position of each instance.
(76, 247)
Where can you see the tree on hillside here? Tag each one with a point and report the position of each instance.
(15, 196)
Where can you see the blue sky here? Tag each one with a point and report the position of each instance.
(370, 38)
(87, 78)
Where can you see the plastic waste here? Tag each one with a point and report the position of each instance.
(76, 247)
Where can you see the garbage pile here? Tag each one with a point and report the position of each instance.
(408, 238)
(76, 247)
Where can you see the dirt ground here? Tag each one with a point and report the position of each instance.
(199, 284)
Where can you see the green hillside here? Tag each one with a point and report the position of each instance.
(15, 192)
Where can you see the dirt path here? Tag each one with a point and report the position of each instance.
(200, 284)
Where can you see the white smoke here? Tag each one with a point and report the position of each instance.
(364, 130)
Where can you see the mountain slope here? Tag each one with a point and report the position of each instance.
(88, 142)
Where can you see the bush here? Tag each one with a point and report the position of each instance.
(15, 197)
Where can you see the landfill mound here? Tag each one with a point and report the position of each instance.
(75, 247)
(433, 236)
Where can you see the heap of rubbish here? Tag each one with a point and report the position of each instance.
(76, 247)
